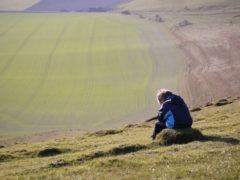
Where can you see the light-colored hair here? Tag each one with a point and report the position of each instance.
(161, 94)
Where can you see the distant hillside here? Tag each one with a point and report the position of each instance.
(16, 5)
(73, 5)
(59, 5)
(128, 153)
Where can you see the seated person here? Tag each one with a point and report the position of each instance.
(173, 112)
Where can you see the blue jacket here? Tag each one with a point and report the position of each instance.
(175, 113)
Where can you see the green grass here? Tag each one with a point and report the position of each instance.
(57, 70)
(86, 71)
(129, 153)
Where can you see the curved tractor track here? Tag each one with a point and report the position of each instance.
(84, 71)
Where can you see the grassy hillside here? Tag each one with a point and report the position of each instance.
(16, 5)
(129, 153)
(86, 71)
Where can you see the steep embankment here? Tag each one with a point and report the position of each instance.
(128, 153)
(208, 36)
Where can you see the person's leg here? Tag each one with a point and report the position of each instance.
(182, 126)
(159, 126)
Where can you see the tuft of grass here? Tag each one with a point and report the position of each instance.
(196, 109)
(208, 104)
(91, 156)
(120, 150)
(222, 102)
(129, 126)
(179, 136)
(59, 163)
(107, 132)
(6, 157)
(127, 149)
(116, 151)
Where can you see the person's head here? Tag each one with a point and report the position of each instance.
(162, 95)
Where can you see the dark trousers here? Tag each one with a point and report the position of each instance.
(159, 126)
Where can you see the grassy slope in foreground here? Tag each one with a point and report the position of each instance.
(60, 71)
(16, 5)
(104, 157)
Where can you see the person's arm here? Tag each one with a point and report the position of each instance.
(165, 107)
(160, 115)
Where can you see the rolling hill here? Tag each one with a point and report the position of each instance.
(128, 153)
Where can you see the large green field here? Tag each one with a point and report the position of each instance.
(85, 71)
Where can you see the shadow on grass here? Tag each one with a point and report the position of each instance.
(228, 140)
(126, 149)
(106, 132)
(6, 157)
(120, 150)
(49, 152)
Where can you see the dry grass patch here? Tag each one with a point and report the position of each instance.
(179, 136)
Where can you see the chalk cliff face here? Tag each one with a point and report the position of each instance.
(75, 5)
